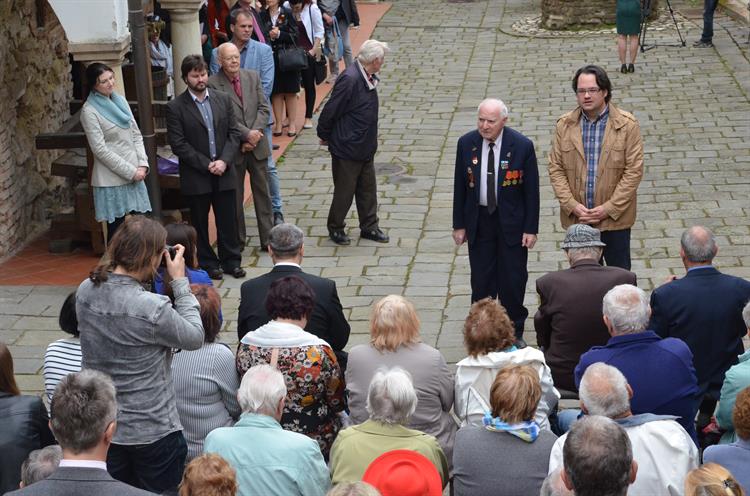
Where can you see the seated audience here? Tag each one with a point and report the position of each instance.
(404, 472)
(737, 379)
(712, 479)
(391, 401)
(63, 356)
(24, 424)
(205, 380)
(129, 333)
(569, 320)
(704, 309)
(598, 459)
(83, 419)
(510, 434)
(208, 475)
(315, 387)
(489, 336)
(553, 485)
(664, 451)
(736, 456)
(394, 341)
(40, 464)
(660, 371)
(358, 488)
(269, 461)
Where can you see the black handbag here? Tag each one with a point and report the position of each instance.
(321, 69)
(292, 59)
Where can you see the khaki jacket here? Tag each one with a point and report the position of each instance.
(618, 173)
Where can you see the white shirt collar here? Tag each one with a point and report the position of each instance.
(84, 464)
(371, 85)
(291, 264)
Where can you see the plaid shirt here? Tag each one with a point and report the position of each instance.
(593, 135)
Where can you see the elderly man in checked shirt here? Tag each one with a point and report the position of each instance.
(596, 164)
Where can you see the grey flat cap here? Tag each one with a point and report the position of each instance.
(582, 236)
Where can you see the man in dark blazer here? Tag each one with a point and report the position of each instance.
(704, 309)
(499, 222)
(569, 320)
(202, 131)
(84, 410)
(252, 109)
(287, 250)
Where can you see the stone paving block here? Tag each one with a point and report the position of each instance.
(37, 323)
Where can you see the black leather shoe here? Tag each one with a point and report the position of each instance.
(624, 68)
(631, 68)
(375, 235)
(520, 344)
(340, 238)
(238, 272)
(216, 274)
(278, 218)
(703, 44)
(275, 146)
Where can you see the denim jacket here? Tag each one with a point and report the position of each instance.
(128, 333)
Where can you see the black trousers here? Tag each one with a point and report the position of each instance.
(353, 178)
(308, 83)
(155, 467)
(498, 268)
(225, 213)
(617, 251)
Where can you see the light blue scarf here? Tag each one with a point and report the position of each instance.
(115, 109)
(527, 431)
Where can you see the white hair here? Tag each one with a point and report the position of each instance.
(627, 309)
(391, 398)
(261, 390)
(496, 103)
(372, 50)
(604, 391)
(746, 315)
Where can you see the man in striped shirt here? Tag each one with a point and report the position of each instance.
(596, 164)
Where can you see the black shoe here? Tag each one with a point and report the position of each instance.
(278, 218)
(520, 343)
(375, 235)
(237, 272)
(275, 146)
(340, 238)
(703, 44)
(624, 68)
(631, 68)
(263, 248)
(216, 274)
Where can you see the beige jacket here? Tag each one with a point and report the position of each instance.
(117, 152)
(618, 173)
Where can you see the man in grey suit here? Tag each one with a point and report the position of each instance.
(252, 112)
(83, 422)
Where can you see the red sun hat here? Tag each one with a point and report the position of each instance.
(404, 473)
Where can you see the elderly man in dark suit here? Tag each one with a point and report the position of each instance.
(704, 309)
(287, 250)
(84, 410)
(202, 131)
(496, 209)
(569, 319)
(251, 106)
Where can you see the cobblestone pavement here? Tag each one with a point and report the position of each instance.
(694, 110)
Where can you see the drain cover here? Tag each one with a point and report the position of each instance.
(387, 169)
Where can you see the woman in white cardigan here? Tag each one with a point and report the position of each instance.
(489, 338)
(120, 162)
(311, 31)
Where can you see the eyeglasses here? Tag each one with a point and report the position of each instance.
(583, 91)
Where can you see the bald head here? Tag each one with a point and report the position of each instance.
(494, 106)
(698, 246)
(229, 59)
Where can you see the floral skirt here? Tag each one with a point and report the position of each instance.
(111, 202)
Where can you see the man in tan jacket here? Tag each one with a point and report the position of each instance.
(596, 164)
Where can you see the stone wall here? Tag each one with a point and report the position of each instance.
(35, 90)
(575, 14)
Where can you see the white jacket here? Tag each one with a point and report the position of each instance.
(474, 377)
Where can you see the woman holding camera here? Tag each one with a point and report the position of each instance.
(129, 333)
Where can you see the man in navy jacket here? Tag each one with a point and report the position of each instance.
(348, 124)
(499, 222)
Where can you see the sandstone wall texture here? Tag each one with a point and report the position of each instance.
(35, 90)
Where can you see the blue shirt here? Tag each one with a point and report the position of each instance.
(734, 457)
(269, 460)
(593, 136)
(204, 107)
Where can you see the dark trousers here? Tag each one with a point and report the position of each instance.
(709, 7)
(353, 178)
(258, 170)
(155, 467)
(617, 251)
(308, 82)
(112, 227)
(498, 269)
(225, 213)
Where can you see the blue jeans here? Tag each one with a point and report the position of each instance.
(709, 6)
(155, 467)
(565, 420)
(273, 176)
(348, 58)
(617, 251)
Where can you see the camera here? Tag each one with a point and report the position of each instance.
(171, 250)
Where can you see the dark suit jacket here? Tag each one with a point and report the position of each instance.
(252, 111)
(569, 319)
(518, 204)
(188, 137)
(327, 320)
(79, 481)
(704, 309)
